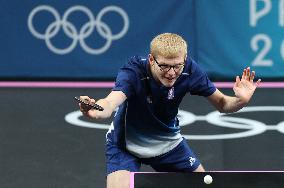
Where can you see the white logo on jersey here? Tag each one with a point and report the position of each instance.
(171, 93)
(192, 160)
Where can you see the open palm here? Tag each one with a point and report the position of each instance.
(245, 87)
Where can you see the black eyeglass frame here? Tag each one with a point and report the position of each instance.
(166, 68)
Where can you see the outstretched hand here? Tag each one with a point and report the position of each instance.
(86, 108)
(245, 87)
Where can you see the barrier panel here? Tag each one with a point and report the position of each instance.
(220, 180)
(91, 40)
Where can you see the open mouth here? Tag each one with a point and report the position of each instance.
(170, 79)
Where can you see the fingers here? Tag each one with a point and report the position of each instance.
(252, 76)
(248, 74)
(83, 107)
(85, 99)
(258, 82)
(92, 101)
(238, 79)
(244, 75)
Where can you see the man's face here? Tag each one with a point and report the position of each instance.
(166, 70)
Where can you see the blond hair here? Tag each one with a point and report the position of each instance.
(168, 45)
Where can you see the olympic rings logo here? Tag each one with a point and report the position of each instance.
(251, 127)
(78, 35)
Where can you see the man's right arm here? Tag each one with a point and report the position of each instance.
(110, 103)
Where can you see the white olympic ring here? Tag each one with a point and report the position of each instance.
(85, 31)
(251, 127)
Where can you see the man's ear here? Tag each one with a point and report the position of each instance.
(151, 59)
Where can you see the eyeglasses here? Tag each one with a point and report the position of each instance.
(166, 68)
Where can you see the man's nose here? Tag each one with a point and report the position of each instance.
(172, 71)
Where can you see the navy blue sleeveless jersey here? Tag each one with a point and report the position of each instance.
(146, 124)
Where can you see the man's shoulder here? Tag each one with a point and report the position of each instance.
(193, 68)
(189, 68)
(137, 65)
(136, 62)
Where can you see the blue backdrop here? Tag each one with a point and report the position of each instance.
(234, 34)
(92, 39)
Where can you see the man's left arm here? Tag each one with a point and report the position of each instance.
(243, 88)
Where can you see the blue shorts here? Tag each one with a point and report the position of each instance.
(179, 159)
